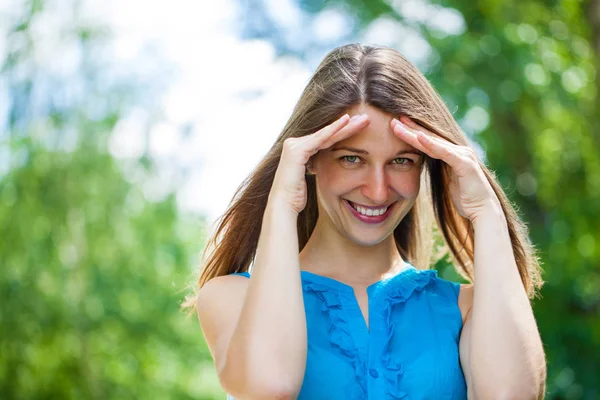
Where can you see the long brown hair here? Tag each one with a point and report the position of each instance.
(383, 78)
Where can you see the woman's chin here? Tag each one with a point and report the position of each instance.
(367, 240)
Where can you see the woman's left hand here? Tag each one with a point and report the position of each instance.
(469, 188)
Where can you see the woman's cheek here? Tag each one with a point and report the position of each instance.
(414, 184)
(407, 184)
(331, 172)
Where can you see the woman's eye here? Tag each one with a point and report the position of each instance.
(350, 159)
(354, 160)
(402, 161)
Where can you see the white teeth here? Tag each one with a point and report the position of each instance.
(369, 212)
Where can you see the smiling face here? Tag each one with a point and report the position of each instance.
(372, 172)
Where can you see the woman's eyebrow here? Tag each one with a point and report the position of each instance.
(352, 149)
(361, 151)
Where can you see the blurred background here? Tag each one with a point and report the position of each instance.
(125, 128)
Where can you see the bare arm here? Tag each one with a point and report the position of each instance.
(503, 349)
(267, 352)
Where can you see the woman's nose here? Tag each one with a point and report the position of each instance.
(376, 187)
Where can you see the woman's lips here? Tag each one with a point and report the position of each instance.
(372, 219)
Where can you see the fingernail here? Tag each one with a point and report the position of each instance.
(399, 125)
(395, 121)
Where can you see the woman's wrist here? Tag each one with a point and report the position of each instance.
(280, 207)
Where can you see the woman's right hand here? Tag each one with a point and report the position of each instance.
(289, 184)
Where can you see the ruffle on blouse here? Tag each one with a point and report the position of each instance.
(401, 291)
(339, 334)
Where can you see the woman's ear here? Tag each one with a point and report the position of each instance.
(309, 168)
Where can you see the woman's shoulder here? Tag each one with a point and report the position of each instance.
(465, 299)
(245, 273)
(445, 286)
(459, 293)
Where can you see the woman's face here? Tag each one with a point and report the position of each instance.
(371, 172)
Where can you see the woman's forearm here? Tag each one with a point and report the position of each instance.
(269, 344)
(506, 350)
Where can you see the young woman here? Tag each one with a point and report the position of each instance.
(341, 303)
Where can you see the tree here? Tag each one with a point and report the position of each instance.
(92, 270)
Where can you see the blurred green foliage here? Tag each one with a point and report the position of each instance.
(93, 271)
(91, 284)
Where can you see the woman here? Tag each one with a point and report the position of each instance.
(341, 303)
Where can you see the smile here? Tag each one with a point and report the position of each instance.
(371, 215)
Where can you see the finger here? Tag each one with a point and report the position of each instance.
(434, 147)
(407, 136)
(414, 127)
(358, 123)
(410, 123)
(314, 140)
(329, 130)
(440, 150)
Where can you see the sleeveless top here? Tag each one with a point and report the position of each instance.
(410, 350)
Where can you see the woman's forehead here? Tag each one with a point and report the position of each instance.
(378, 134)
(373, 139)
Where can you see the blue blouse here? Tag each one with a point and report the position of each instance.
(409, 351)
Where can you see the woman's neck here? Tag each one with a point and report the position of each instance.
(329, 253)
